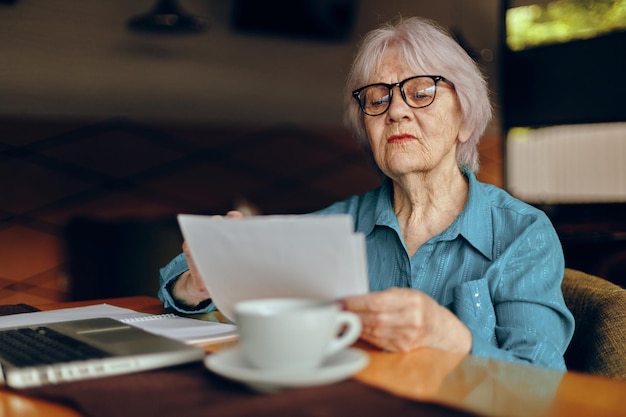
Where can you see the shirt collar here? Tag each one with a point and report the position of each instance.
(377, 210)
(475, 223)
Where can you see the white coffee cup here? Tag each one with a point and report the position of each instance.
(293, 334)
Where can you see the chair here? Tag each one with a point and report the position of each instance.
(599, 308)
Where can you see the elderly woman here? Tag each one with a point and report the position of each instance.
(454, 264)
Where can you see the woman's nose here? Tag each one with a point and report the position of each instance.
(398, 109)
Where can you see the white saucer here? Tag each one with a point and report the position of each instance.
(231, 364)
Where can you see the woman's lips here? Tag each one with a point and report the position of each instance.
(400, 138)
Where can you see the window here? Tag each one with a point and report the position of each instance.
(559, 21)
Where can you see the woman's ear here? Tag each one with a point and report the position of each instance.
(464, 133)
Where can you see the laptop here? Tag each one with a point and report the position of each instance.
(52, 353)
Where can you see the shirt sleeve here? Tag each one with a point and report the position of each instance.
(519, 302)
(170, 272)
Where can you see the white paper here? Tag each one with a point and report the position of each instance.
(276, 256)
(176, 327)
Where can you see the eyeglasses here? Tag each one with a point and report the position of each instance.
(417, 92)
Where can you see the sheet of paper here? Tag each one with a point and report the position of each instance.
(181, 328)
(276, 256)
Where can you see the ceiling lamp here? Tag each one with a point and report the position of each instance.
(167, 18)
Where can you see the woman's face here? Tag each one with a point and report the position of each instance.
(406, 140)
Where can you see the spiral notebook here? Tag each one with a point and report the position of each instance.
(187, 330)
(49, 347)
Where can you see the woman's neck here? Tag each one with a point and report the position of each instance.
(427, 203)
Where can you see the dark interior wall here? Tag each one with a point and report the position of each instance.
(576, 82)
(108, 190)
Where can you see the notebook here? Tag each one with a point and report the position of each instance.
(50, 353)
(187, 330)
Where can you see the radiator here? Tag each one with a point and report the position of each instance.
(567, 164)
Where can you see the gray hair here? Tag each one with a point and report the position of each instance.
(429, 49)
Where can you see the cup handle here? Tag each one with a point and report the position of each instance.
(351, 324)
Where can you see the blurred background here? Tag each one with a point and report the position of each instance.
(116, 115)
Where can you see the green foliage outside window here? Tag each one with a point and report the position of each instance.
(563, 20)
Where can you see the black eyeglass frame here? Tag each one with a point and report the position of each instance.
(436, 78)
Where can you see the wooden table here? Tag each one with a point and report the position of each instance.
(484, 387)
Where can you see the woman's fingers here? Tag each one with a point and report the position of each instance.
(232, 214)
(383, 301)
(392, 319)
(235, 214)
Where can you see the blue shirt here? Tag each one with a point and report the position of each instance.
(498, 267)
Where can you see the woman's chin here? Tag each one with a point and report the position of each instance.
(398, 167)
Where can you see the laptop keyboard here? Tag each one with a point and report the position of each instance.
(43, 346)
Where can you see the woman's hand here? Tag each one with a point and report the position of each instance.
(402, 319)
(189, 288)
